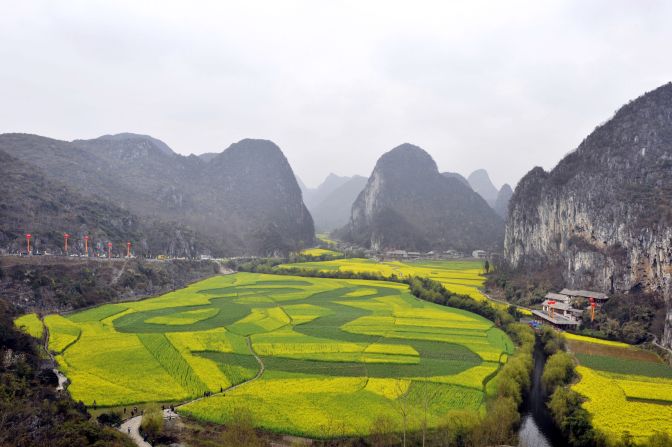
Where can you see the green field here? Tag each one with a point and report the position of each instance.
(623, 383)
(459, 277)
(337, 353)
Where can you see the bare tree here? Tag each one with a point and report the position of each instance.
(428, 395)
(403, 406)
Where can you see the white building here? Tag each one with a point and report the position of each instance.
(479, 254)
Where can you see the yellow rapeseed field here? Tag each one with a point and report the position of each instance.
(30, 323)
(336, 353)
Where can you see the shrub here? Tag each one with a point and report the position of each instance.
(559, 370)
(152, 423)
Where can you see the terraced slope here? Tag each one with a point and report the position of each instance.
(336, 353)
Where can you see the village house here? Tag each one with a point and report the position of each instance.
(557, 308)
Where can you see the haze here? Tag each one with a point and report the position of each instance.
(503, 86)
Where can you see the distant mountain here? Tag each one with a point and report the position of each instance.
(244, 200)
(302, 187)
(457, 176)
(501, 206)
(603, 215)
(313, 197)
(408, 204)
(481, 183)
(334, 210)
(31, 203)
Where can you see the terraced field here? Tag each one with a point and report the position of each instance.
(460, 277)
(623, 383)
(336, 353)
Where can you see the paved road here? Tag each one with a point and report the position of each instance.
(132, 428)
(134, 425)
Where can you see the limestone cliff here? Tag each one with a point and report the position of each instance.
(604, 213)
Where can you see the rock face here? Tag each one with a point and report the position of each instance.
(501, 205)
(255, 194)
(242, 201)
(479, 180)
(334, 210)
(408, 204)
(604, 212)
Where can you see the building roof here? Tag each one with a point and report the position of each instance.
(396, 252)
(559, 305)
(585, 294)
(557, 319)
(557, 296)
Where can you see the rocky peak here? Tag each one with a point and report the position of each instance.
(481, 183)
(604, 213)
(501, 206)
(408, 204)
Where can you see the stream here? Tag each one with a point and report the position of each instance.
(538, 428)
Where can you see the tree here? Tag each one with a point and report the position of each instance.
(152, 423)
(403, 406)
(428, 395)
(240, 430)
(382, 432)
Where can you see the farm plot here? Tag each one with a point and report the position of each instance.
(460, 277)
(31, 324)
(337, 353)
(623, 383)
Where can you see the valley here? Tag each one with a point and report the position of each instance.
(324, 344)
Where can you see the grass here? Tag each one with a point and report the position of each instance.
(623, 383)
(31, 324)
(337, 353)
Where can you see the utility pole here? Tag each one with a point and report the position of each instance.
(66, 236)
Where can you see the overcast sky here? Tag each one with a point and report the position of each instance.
(500, 85)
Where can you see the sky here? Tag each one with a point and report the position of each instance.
(503, 86)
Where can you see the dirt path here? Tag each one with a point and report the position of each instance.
(505, 302)
(118, 275)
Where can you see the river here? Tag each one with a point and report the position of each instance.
(538, 428)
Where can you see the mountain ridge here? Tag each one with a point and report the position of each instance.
(137, 175)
